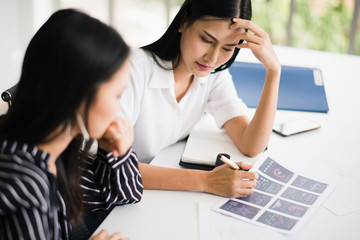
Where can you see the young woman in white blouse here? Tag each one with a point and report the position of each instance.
(183, 74)
(74, 72)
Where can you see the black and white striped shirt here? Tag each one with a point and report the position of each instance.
(107, 181)
(31, 206)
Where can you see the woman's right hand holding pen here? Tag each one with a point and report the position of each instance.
(227, 182)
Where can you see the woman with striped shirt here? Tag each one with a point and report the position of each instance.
(74, 71)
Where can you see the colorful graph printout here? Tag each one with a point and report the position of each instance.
(282, 199)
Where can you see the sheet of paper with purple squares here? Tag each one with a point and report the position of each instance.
(282, 200)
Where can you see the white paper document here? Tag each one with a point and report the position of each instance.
(283, 200)
(346, 196)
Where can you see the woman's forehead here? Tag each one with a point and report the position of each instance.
(219, 27)
(211, 19)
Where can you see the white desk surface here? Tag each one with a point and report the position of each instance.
(164, 215)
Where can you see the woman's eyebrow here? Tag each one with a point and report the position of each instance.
(213, 38)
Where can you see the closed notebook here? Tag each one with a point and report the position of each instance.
(205, 142)
(301, 88)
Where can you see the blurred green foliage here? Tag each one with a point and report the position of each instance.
(317, 24)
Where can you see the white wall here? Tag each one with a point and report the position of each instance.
(19, 20)
(14, 33)
(140, 22)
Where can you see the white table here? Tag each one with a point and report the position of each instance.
(165, 215)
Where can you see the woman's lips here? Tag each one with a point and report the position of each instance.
(203, 67)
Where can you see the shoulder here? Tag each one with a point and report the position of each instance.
(23, 184)
(140, 56)
(142, 65)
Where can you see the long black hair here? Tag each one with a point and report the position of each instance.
(69, 57)
(168, 46)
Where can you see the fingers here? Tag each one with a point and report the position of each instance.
(244, 166)
(117, 236)
(258, 41)
(239, 190)
(124, 137)
(227, 182)
(103, 235)
(120, 127)
(124, 125)
(247, 24)
(244, 174)
(250, 40)
(118, 137)
(117, 129)
(243, 188)
(257, 37)
(247, 179)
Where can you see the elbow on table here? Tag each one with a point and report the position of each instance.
(251, 152)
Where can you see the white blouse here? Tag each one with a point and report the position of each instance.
(149, 102)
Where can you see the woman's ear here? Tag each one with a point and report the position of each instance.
(183, 24)
(182, 27)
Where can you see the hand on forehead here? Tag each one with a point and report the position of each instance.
(220, 30)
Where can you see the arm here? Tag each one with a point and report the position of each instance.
(252, 137)
(113, 177)
(108, 180)
(222, 181)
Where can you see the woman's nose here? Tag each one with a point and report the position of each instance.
(212, 55)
